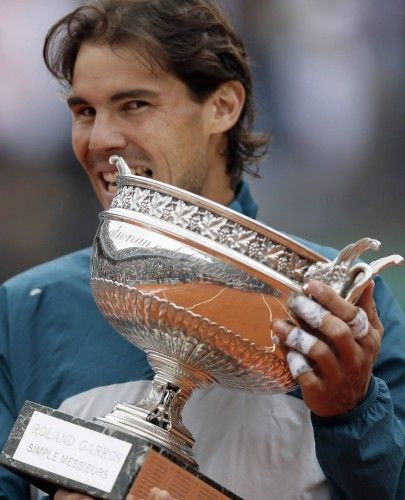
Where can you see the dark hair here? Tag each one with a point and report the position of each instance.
(190, 38)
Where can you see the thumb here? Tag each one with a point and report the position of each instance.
(366, 302)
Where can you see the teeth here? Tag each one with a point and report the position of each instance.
(111, 177)
(143, 171)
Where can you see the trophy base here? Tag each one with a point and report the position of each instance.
(53, 450)
(133, 420)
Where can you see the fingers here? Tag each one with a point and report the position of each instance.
(339, 333)
(366, 302)
(154, 494)
(308, 345)
(157, 494)
(298, 364)
(310, 311)
(338, 325)
(332, 368)
(359, 325)
(336, 332)
(299, 340)
(333, 302)
(62, 494)
(346, 324)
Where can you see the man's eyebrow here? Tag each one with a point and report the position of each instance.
(134, 94)
(75, 101)
(119, 96)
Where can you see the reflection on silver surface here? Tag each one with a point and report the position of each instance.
(196, 285)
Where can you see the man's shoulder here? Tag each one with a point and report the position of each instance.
(69, 267)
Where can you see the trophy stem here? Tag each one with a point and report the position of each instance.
(157, 417)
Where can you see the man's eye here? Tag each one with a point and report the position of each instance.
(86, 112)
(83, 112)
(135, 104)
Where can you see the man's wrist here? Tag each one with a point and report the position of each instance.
(351, 415)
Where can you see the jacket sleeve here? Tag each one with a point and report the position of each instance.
(11, 486)
(362, 452)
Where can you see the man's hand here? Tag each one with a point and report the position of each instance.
(154, 494)
(62, 494)
(335, 373)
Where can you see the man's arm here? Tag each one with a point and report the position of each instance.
(361, 450)
(154, 494)
(11, 486)
(362, 453)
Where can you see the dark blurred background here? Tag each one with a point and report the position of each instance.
(330, 86)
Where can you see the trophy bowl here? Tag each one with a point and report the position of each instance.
(195, 285)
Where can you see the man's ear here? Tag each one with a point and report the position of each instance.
(227, 104)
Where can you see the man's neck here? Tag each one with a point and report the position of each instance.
(217, 185)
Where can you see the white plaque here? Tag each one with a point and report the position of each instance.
(72, 451)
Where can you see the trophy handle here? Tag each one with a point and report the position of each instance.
(364, 273)
(391, 260)
(354, 250)
(361, 275)
(121, 165)
(347, 280)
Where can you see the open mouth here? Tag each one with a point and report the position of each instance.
(110, 178)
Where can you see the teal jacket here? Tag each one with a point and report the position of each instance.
(50, 350)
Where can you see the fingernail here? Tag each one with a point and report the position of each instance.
(315, 288)
(275, 339)
(281, 327)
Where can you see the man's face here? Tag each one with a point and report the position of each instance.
(120, 106)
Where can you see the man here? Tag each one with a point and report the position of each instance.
(166, 85)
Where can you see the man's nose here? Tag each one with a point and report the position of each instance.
(106, 134)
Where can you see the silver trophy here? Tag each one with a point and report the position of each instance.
(196, 285)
